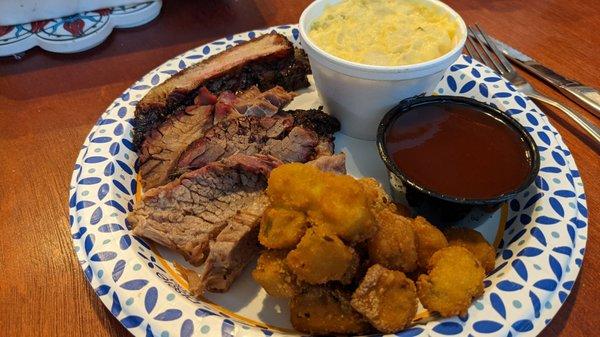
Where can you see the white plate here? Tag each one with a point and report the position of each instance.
(540, 247)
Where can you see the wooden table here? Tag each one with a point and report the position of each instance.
(49, 102)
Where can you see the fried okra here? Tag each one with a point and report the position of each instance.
(475, 243)
(321, 257)
(344, 209)
(379, 199)
(295, 186)
(454, 278)
(323, 311)
(393, 245)
(281, 228)
(332, 201)
(429, 240)
(274, 276)
(387, 298)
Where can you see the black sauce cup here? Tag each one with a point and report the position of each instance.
(439, 208)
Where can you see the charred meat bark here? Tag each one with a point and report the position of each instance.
(315, 119)
(321, 123)
(266, 61)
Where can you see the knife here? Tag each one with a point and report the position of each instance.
(587, 97)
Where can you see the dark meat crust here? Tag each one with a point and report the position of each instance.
(315, 119)
(289, 73)
(286, 67)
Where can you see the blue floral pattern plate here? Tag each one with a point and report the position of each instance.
(540, 249)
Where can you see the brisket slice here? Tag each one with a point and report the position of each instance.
(253, 102)
(237, 244)
(315, 119)
(335, 163)
(266, 61)
(321, 123)
(162, 147)
(159, 151)
(232, 249)
(291, 139)
(187, 213)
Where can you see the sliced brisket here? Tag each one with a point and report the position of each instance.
(252, 102)
(291, 139)
(162, 147)
(187, 213)
(266, 61)
(321, 123)
(233, 248)
(159, 152)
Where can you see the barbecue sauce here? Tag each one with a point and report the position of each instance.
(458, 150)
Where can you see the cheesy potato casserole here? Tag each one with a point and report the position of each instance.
(385, 32)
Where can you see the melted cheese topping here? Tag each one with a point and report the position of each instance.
(385, 32)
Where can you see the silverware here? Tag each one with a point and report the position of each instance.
(587, 97)
(504, 68)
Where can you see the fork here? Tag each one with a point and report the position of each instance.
(501, 65)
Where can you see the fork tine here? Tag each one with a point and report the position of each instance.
(481, 51)
(469, 48)
(487, 53)
(474, 49)
(495, 49)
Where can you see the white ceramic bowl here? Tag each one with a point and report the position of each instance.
(360, 94)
